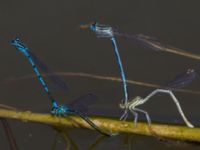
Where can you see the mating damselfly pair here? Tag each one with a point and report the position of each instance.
(104, 31)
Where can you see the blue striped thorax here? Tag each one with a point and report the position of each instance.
(59, 110)
(101, 30)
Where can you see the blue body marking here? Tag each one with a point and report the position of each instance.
(64, 110)
(121, 69)
(104, 31)
(58, 110)
(22, 48)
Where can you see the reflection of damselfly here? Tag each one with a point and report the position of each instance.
(7, 128)
(57, 110)
(179, 82)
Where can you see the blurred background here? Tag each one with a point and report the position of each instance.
(51, 30)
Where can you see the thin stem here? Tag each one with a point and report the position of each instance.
(9, 134)
(163, 130)
(101, 77)
(173, 50)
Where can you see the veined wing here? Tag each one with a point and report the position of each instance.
(81, 103)
(49, 73)
(181, 80)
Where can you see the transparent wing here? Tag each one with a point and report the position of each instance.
(83, 102)
(49, 73)
(142, 40)
(181, 80)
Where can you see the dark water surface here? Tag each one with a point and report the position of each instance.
(51, 30)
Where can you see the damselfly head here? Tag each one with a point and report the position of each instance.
(18, 44)
(101, 30)
(55, 107)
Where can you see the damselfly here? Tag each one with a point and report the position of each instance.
(104, 31)
(36, 65)
(62, 110)
(179, 82)
(65, 110)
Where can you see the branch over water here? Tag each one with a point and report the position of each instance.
(176, 132)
